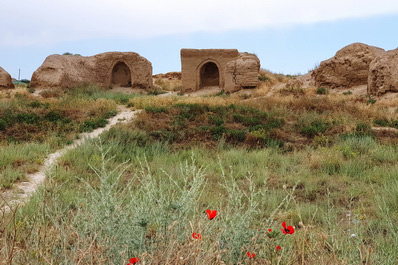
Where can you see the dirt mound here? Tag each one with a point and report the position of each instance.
(126, 69)
(5, 79)
(348, 68)
(383, 73)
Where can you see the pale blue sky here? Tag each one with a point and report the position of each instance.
(287, 38)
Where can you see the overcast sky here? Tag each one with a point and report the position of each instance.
(289, 36)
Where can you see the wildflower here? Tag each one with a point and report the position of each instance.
(269, 233)
(196, 236)
(287, 230)
(278, 248)
(250, 255)
(133, 261)
(211, 214)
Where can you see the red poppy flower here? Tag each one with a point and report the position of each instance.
(196, 236)
(278, 248)
(287, 230)
(269, 230)
(250, 255)
(133, 261)
(211, 214)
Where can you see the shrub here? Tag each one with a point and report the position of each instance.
(275, 123)
(381, 122)
(215, 120)
(394, 124)
(321, 91)
(163, 135)
(251, 121)
(316, 127)
(347, 93)
(3, 125)
(90, 125)
(363, 129)
(217, 131)
(29, 118)
(53, 116)
(263, 78)
(237, 135)
(156, 109)
(238, 117)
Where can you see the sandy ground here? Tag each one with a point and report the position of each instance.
(21, 192)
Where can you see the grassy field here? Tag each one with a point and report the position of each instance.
(32, 127)
(142, 189)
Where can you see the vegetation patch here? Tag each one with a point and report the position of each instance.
(201, 123)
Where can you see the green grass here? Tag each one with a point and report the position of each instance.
(18, 159)
(94, 92)
(155, 203)
(142, 192)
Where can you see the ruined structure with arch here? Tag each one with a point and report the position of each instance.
(110, 69)
(224, 68)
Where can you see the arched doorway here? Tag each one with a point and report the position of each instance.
(209, 75)
(121, 75)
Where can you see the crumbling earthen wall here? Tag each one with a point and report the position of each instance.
(348, 68)
(383, 73)
(5, 79)
(105, 69)
(225, 68)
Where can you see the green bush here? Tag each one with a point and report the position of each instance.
(381, 122)
(3, 125)
(30, 118)
(274, 123)
(363, 129)
(316, 127)
(237, 135)
(53, 116)
(163, 135)
(217, 131)
(215, 120)
(90, 125)
(321, 91)
(156, 109)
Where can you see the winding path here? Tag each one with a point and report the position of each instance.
(21, 192)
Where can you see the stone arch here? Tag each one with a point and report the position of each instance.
(209, 75)
(121, 75)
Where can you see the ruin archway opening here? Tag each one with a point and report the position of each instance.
(121, 75)
(209, 75)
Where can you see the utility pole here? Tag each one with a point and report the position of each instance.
(19, 75)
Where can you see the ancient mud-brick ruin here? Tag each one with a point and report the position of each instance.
(5, 79)
(125, 69)
(224, 68)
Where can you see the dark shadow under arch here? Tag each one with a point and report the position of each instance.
(121, 75)
(209, 75)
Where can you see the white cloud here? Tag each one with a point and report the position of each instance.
(51, 21)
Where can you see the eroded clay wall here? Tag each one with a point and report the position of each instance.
(5, 79)
(67, 71)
